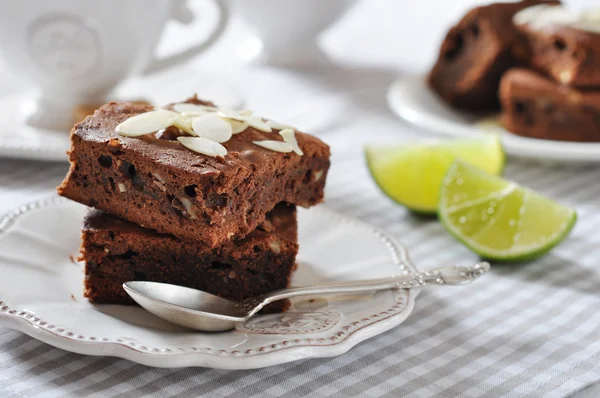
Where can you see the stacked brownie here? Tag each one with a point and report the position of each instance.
(476, 52)
(535, 60)
(558, 96)
(191, 195)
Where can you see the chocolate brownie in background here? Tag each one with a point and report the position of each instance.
(564, 44)
(476, 52)
(116, 251)
(537, 107)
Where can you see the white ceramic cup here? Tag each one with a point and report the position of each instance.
(76, 51)
(288, 29)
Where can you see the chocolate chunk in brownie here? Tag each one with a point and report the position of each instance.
(537, 107)
(475, 54)
(116, 251)
(156, 182)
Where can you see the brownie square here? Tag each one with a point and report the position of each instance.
(537, 107)
(157, 183)
(116, 251)
(476, 52)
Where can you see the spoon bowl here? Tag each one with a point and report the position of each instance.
(187, 307)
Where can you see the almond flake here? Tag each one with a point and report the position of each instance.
(231, 114)
(203, 146)
(146, 123)
(213, 127)
(186, 107)
(277, 146)
(280, 126)
(185, 124)
(258, 123)
(289, 137)
(193, 114)
(237, 126)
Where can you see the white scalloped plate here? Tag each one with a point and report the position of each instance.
(410, 98)
(41, 295)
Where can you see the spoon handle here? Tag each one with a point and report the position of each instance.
(449, 275)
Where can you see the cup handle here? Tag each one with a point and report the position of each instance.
(183, 15)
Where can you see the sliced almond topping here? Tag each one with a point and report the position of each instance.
(231, 114)
(184, 123)
(185, 107)
(209, 126)
(289, 137)
(237, 126)
(213, 127)
(279, 126)
(277, 146)
(193, 114)
(258, 123)
(146, 123)
(203, 146)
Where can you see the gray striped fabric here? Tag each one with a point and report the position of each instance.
(524, 330)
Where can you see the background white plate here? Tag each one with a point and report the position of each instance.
(41, 295)
(18, 140)
(411, 99)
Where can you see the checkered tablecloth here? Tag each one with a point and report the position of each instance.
(523, 330)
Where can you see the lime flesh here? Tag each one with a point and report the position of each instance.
(412, 174)
(498, 219)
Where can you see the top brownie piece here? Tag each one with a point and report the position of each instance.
(476, 52)
(157, 183)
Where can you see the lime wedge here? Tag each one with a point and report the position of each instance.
(498, 219)
(412, 174)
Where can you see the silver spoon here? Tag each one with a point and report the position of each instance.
(204, 311)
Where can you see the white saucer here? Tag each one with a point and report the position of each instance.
(411, 99)
(18, 140)
(41, 295)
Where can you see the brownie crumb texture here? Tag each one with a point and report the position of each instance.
(116, 251)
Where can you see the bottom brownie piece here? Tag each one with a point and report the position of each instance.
(116, 251)
(534, 106)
